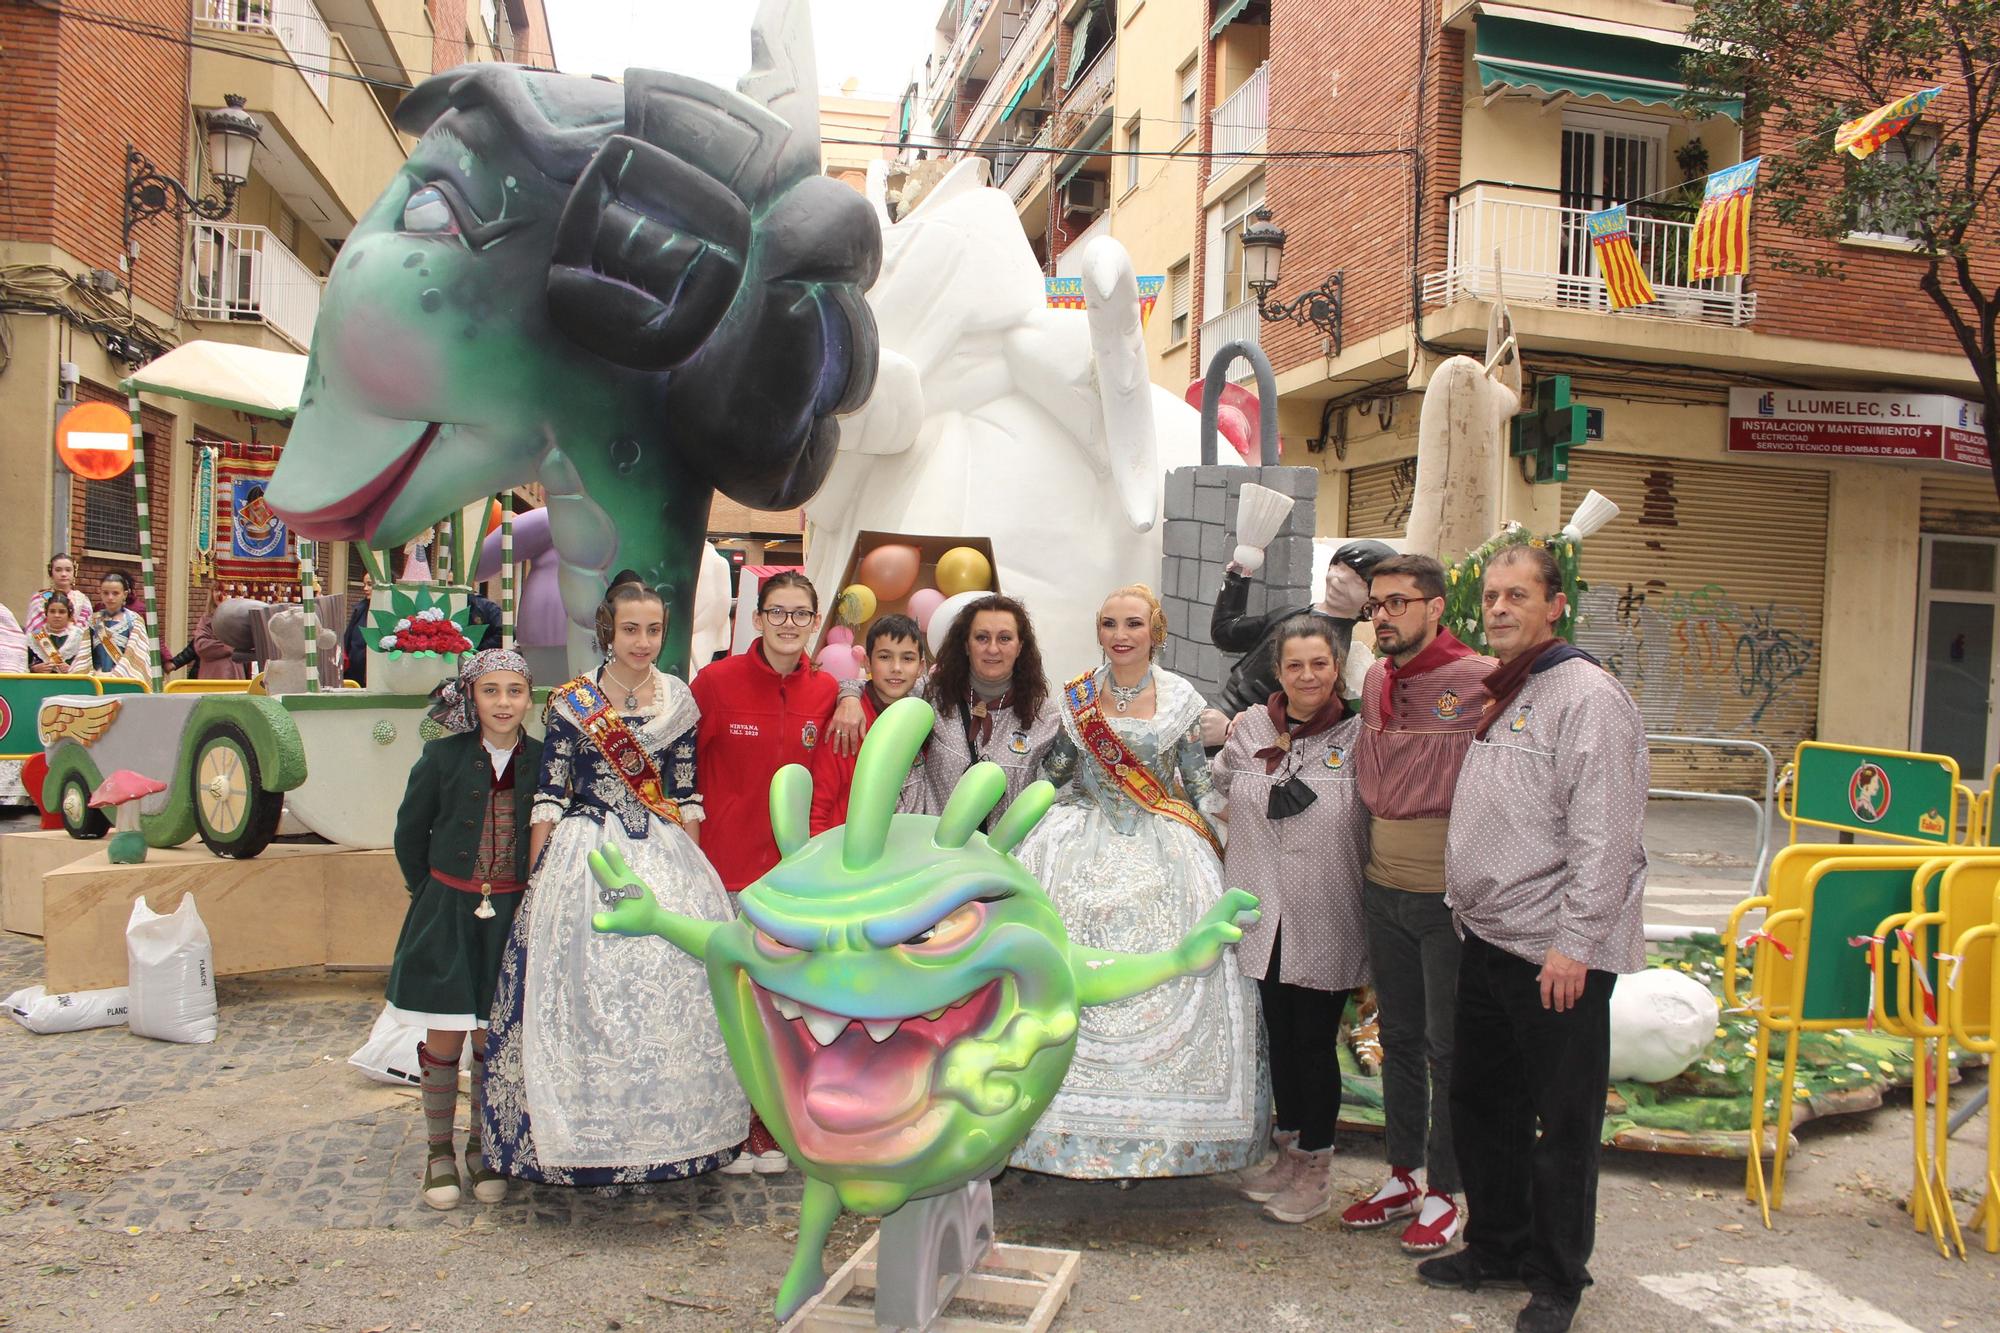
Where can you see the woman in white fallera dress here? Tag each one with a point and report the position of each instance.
(1167, 1083)
(605, 1061)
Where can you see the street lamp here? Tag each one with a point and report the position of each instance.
(1263, 244)
(233, 134)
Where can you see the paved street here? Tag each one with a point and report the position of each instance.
(261, 1181)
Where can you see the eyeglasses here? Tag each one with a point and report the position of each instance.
(798, 615)
(1395, 604)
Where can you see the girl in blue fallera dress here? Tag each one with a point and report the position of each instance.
(605, 1062)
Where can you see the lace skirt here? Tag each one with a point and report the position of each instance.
(605, 1064)
(1168, 1083)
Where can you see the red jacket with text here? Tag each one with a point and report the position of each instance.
(753, 723)
(833, 775)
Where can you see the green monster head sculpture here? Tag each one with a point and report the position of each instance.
(899, 996)
(635, 294)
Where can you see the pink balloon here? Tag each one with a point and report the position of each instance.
(891, 571)
(842, 659)
(840, 634)
(924, 603)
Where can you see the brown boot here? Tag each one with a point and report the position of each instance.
(1269, 1180)
(1310, 1192)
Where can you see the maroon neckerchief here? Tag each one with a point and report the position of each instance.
(979, 717)
(1274, 754)
(1444, 647)
(1507, 680)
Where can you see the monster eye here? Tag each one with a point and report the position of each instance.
(429, 213)
(951, 932)
(772, 948)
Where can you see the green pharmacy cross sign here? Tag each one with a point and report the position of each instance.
(1548, 432)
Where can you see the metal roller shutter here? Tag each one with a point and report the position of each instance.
(1963, 506)
(1378, 498)
(1706, 599)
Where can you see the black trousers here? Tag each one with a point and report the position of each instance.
(1527, 1106)
(1303, 1026)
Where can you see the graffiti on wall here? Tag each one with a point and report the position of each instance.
(1699, 662)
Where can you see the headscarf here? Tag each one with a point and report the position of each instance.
(451, 701)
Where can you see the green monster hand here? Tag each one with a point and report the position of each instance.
(899, 996)
(1221, 926)
(634, 910)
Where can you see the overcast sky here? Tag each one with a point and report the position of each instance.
(875, 42)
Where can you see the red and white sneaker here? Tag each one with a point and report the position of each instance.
(1398, 1197)
(1437, 1222)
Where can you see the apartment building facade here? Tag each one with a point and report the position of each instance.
(322, 78)
(1788, 563)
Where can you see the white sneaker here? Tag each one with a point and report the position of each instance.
(740, 1165)
(772, 1163)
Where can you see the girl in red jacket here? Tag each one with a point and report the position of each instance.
(760, 710)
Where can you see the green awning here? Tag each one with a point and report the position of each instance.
(1226, 17)
(1551, 60)
(1041, 68)
(903, 133)
(1079, 43)
(1098, 134)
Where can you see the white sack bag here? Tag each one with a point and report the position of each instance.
(1660, 1021)
(171, 974)
(390, 1053)
(72, 1011)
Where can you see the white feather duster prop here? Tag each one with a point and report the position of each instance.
(1592, 514)
(1260, 512)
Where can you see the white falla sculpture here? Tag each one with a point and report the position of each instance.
(996, 416)
(1462, 446)
(711, 610)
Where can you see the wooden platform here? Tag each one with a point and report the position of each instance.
(291, 907)
(24, 858)
(1025, 1284)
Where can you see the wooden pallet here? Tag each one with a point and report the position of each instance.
(1036, 1298)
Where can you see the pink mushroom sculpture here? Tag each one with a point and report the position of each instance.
(122, 791)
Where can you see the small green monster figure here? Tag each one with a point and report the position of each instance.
(899, 996)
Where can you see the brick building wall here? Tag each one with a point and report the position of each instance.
(1344, 78)
(72, 94)
(1879, 280)
(449, 45)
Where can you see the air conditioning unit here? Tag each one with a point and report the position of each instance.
(1086, 195)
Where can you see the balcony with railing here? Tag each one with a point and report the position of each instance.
(1087, 97)
(1545, 259)
(244, 274)
(297, 24)
(1240, 122)
(1239, 323)
(1025, 170)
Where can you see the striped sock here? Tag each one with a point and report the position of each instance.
(476, 1115)
(440, 1084)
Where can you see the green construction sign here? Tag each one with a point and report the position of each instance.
(1889, 793)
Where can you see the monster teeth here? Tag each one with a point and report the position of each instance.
(826, 1028)
(960, 1000)
(786, 1008)
(883, 1030)
(934, 1015)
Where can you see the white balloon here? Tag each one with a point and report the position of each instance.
(946, 613)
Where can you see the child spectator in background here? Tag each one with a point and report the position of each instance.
(895, 665)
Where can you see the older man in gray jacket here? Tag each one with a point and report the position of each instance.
(1544, 873)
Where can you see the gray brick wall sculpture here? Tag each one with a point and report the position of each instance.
(1199, 536)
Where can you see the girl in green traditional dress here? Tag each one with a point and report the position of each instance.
(462, 844)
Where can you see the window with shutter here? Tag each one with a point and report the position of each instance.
(1179, 303)
(1190, 96)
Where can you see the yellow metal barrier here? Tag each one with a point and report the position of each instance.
(206, 687)
(1897, 795)
(1971, 993)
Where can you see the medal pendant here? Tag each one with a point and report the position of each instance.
(979, 709)
(485, 909)
(631, 703)
(1284, 741)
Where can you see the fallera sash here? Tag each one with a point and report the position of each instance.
(1121, 765)
(590, 712)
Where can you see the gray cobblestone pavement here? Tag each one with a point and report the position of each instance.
(261, 1181)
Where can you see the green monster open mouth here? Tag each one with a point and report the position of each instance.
(869, 1091)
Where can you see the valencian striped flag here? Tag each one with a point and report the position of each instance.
(1721, 242)
(1863, 136)
(1624, 281)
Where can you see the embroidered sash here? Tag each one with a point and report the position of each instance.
(1121, 765)
(590, 711)
(46, 646)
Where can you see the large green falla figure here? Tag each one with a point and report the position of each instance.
(899, 996)
(635, 294)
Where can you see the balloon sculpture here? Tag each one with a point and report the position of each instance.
(635, 294)
(899, 996)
